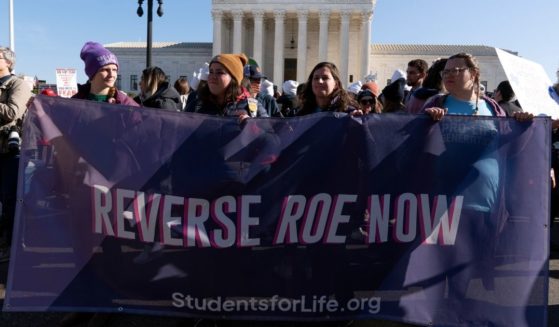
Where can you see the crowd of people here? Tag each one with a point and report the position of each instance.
(234, 85)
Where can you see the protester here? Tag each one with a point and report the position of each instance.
(14, 95)
(505, 97)
(254, 75)
(156, 92)
(299, 93)
(101, 67)
(184, 90)
(461, 77)
(325, 92)
(478, 177)
(393, 95)
(288, 101)
(223, 94)
(267, 88)
(416, 72)
(354, 88)
(432, 85)
(368, 99)
(368, 102)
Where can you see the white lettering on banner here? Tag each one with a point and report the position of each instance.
(322, 218)
(245, 221)
(224, 236)
(438, 226)
(102, 206)
(318, 212)
(310, 304)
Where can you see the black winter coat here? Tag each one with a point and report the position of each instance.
(166, 97)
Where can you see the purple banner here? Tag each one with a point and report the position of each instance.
(319, 217)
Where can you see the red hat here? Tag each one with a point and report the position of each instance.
(49, 92)
(371, 86)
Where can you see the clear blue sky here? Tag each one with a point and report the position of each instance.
(50, 33)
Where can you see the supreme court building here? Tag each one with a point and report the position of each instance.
(287, 38)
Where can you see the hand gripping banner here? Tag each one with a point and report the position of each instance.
(319, 217)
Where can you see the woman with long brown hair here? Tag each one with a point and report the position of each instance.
(223, 95)
(324, 92)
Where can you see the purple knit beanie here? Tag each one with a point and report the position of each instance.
(96, 56)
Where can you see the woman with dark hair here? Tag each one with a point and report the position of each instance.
(223, 95)
(432, 85)
(325, 92)
(156, 91)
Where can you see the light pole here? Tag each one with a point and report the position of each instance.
(12, 39)
(140, 13)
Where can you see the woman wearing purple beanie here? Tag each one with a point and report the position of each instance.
(101, 67)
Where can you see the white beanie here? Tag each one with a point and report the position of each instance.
(354, 87)
(290, 87)
(202, 75)
(267, 87)
(398, 73)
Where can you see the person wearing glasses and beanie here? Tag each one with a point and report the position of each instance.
(14, 95)
(101, 67)
(368, 102)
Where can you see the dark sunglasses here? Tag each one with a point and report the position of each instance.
(365, 102)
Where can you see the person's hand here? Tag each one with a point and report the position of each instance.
(436, 113)
(523, 116)
(243, 117)
(357, 113)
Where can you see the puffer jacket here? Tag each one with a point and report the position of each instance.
(166, 97)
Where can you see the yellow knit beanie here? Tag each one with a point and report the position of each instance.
(233, 62)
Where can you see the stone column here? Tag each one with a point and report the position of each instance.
(302, 45)
(258, 16)
(279, 16)
(324, 15)
(237, 30)
(217, 16)
(366, 17)
(344, 45)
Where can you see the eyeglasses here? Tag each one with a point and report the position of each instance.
(454, 71)
(365, 102)
(254, 80)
